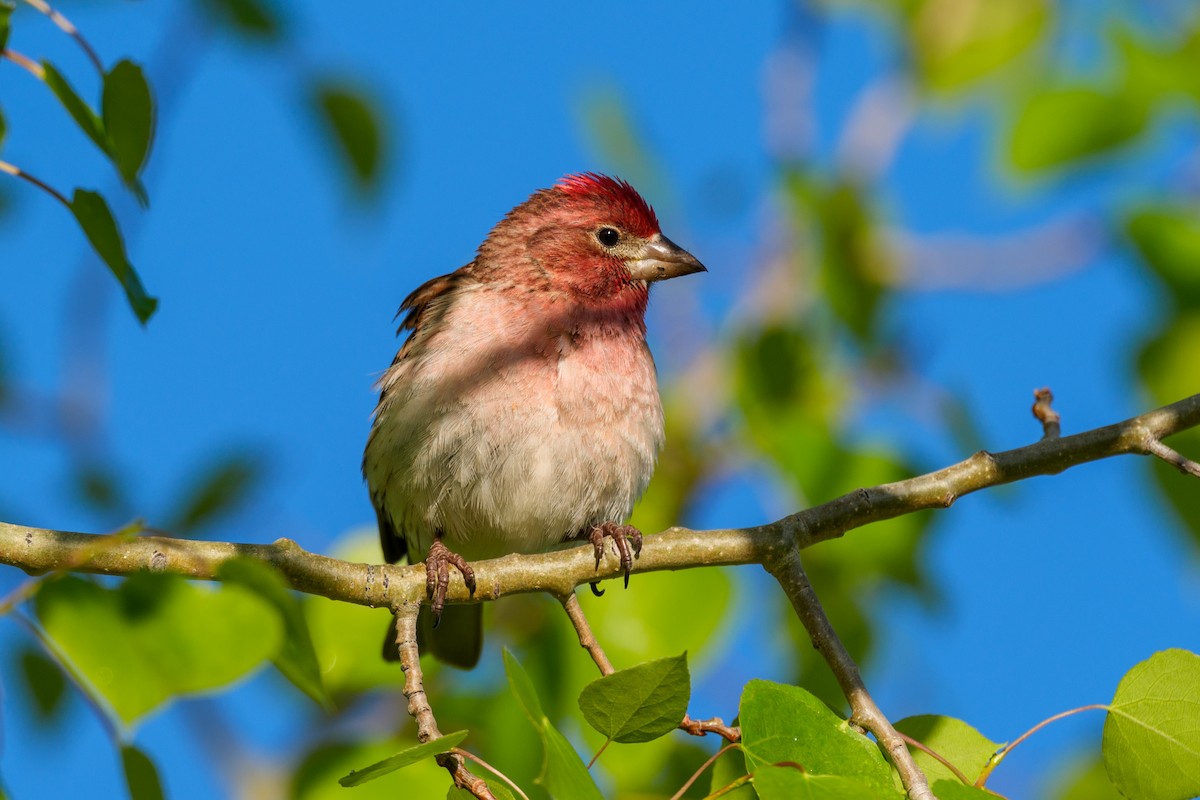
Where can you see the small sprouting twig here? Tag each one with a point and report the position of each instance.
(700, 727)
(511, 784)
(1180, 462)
(17, 172)
(69, 29)
(1051, 422)
(26, 63)
(587, 640)
(695, 775)
(418, 703)
(1000, 755)
(787, 569)
(936, 756)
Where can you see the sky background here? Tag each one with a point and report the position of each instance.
(277, 290)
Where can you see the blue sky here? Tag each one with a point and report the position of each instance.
(277, 292)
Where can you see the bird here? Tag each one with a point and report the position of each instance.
(522, 411)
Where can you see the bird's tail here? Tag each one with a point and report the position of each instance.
(457, 640)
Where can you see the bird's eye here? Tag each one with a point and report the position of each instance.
(608, 236)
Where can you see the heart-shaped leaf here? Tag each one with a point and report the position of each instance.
(157, 636)
(641, 703)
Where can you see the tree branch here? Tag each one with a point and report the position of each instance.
(775, 546)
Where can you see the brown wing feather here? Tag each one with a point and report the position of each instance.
(420, 315)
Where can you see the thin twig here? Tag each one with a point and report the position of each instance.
(509, 781)
(792, 578)
(1180, 462)
(587, 639)
(936, 756)
(695, 775)
(418, 702)
(1051, 422)
(17, 172)
(1003, 752)
(68, 28)
(700, 727)
(24, 62)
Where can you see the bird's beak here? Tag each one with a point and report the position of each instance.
(661, 259)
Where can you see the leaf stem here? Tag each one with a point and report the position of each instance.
(17, 172)
(26, 63)
(695, 775)
(66, 26)
(1003, 752)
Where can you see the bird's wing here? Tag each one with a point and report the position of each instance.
(419, 314)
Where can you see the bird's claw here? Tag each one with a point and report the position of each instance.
(623, 537)
(437, 576)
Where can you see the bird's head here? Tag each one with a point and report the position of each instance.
(590, 235)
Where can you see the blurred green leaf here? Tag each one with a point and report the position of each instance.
(1152, 731)
(404, 758)
(98, 486)
(296, 659)
(1085, 781)
(955, 790)
(641, 703)
(564, 775)
(607, 118)
(952, 739)
(140, 774)
(1057, 127)
(254, 19)
(316, 776)
(6, 10)
(1167, 366)
(785, 723)
(81, 112)
(355, 126)
(790, 783)
(730, 767)
(93, 216)
(157, 636)
(216, 491)
(128, 115)
(45, 681)
(1168, 239)
(957, 42)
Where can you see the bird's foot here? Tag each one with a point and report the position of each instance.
(437, 576)
(628, 540)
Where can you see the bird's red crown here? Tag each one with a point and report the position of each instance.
(616, 193)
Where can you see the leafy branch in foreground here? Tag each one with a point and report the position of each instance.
(827, 754)
(123, 130)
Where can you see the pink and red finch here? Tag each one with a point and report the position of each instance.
(523, 410)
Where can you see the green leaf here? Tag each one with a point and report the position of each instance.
(128, 116)
(952, 739)
(955, 790)
(403, 759)
(1085, 780)
(87, 120)
(6, 10)
(955, 43)
(641, 703)
(216, 491)
(785, 723)
(93, 216)
(140, 774)
(731, 767)
(1060, 126)
(355, 126)
(316, 776)
(790, 783)
(1168, 239)
(297, 659)
(156, 636)
(563, 774)
(254, 19)
(47, 685)
(1152, 732)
